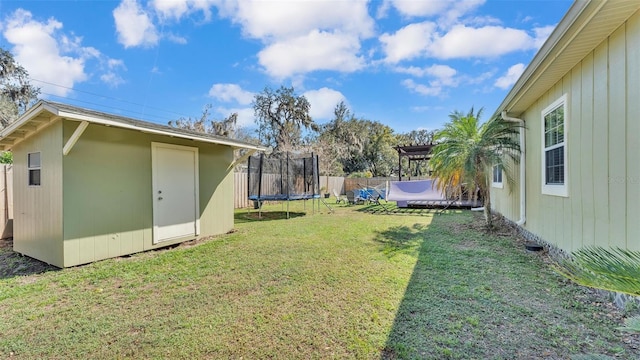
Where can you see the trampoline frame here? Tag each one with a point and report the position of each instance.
(311, 188)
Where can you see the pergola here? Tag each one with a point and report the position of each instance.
(413, 153)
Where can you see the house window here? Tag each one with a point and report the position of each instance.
(496, 180)
(554, 156)
(33, 166)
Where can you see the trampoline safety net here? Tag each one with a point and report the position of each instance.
(283, 178)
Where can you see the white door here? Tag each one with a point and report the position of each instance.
(175, 191)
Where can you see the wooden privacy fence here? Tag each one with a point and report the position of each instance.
(6, 201)
(241, 195)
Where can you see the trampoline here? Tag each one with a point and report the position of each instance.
(283, 178)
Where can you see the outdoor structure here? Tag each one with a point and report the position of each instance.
(90, 186)
(412, 153)
(423, 193)
(578, 181)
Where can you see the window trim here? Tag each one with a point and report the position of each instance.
(32, 168)
(494, 183)
(555, 189)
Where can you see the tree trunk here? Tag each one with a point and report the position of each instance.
(487, 209)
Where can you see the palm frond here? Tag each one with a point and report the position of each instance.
(612, 269)
(467, 150)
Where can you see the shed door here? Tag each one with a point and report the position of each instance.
(175, 191)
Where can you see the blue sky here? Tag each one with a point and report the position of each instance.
(405, 63)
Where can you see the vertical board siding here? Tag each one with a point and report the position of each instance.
(108, 192)
(617, 161)
(575, 140)
(633, 132)
(587, 140)
(38, 209)
(602, 142)
(216, 189)
(600, 172)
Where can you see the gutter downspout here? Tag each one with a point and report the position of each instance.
(523, 203)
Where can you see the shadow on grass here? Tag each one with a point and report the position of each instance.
(13, 264)
(245, 217)
(402, 239)
(391, 209)
(475, 295)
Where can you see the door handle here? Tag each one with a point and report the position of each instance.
(159, 197)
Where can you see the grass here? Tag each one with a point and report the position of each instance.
(351, 284)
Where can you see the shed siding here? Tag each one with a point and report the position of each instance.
(38, 209)
(108, 188)
(603, 147)
(216, 190)
(107, 194)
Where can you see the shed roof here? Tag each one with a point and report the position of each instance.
(585, 25)
(31, 122)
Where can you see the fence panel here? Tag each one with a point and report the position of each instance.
(268, 180)
(6, 201)
(359, 183)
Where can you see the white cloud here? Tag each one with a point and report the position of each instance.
(488, 41)
(415, 8)
(447, 12)
(409, 42)
(246, 116)
(443, 72)
(176, 38)
(231, 93)
(56, 61)
(304, 36)
(173, 9)
(177, 9)
(134, 26)
(461, 41)
(542, 33)
(36, 48)
(314, 51)
(111, 76)
(282, 19)
(422, 89)
(510, 77)
(323, 102)
(457, 10)
(332, 29)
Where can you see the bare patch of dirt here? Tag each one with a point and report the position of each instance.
(14, 264)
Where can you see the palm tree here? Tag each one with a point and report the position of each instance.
(612, 269)
(467, 151)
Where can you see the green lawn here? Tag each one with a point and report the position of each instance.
(352, 284)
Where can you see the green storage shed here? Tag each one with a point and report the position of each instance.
(90, 186)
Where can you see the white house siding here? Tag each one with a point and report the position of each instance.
(603, 158)
(38, 209)
(507, 200)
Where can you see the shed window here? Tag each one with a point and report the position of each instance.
(497, 176)
(554, 164)
(33, 165)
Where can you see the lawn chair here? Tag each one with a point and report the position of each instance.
(353, 197)
(339, 198)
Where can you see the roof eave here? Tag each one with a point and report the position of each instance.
(43, 106)
(107, 122)
(568, 20)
